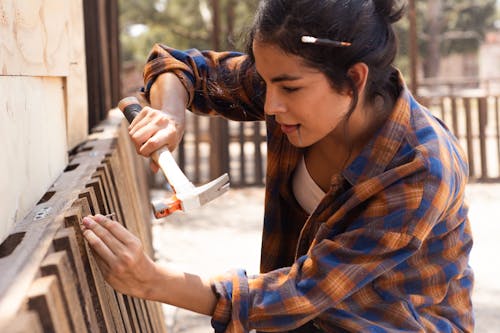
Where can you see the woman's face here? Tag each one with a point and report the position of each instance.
(300, 97)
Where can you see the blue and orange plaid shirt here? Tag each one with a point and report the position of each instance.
(387, 248)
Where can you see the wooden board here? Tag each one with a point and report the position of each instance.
(76, 82)
(45, 298)
(35, 153)
(34, 37)
(47, 266)
(43, 104)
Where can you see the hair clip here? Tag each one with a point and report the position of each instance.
(323, 41)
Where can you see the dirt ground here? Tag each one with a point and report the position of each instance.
(198, 242)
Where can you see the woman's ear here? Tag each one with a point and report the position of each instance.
(359, 75)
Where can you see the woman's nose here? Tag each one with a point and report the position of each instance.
(273, 104)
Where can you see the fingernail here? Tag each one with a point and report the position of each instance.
(87, 222)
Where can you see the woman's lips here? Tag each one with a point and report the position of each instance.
(287, 129)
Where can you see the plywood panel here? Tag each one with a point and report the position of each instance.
(34, 151)
(34, 37)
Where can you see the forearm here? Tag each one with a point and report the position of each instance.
(184, 290)
(169, 95)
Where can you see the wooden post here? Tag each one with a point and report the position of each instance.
(219, 146)
(102, 57)
(497, 118)
(470, 138)
(259, 174)
(242, 140)
(412, 16)
(482, 113)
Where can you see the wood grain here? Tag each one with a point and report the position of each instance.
(47, 266)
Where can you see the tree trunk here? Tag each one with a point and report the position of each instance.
(412, 16)
(431, 62)
(219, 131)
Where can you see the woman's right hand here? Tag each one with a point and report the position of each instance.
(163, 123)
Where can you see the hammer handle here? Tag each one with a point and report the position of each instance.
(163, 157)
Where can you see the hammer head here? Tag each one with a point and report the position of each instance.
(192, 199)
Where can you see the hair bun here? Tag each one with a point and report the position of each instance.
(391, 10)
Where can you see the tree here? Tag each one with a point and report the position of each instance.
(183, 24)
(446, 27)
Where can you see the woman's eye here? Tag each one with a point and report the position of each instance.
(290, 89)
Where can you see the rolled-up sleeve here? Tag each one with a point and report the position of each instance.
(288, 298)
(217, 83)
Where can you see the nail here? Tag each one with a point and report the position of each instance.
(110, 216)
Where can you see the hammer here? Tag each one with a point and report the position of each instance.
(186, 196)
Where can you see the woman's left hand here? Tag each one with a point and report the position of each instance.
(120, 256)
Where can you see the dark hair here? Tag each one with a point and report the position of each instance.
(366, 24)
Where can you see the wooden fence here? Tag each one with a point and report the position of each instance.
(49, 279)
(474, 120)
(243, 157)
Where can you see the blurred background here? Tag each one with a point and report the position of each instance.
(450, 57)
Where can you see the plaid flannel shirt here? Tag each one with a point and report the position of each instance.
(387, 248)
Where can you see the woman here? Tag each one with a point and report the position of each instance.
(365, 226)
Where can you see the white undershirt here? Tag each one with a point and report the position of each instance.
(307, 193)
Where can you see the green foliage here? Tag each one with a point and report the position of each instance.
(466, 23)
(462, 25)
(182, 24)
(186, 24)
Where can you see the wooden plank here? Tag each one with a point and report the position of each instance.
(197, 159)
(156, 316)
(454, 116)
(104, 57)
(57, 264)
(101, 204)
(106, 295)
(26, 321)
(32, 117)
(95, 178)
(44, 297)
(482, 114)
(65, 240)
(469, 135)
(147, 320)
(156, 312)
(76, 82)
(241, 140)
(113, 202)
(134, 321)
(117, 303)
(34, 38)
(19, 268)
(258, 171)
(113, 35)
(219, 147)
(442, 109)
(497, 120)
(140, 315)
(128, 189)
(100, 292)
